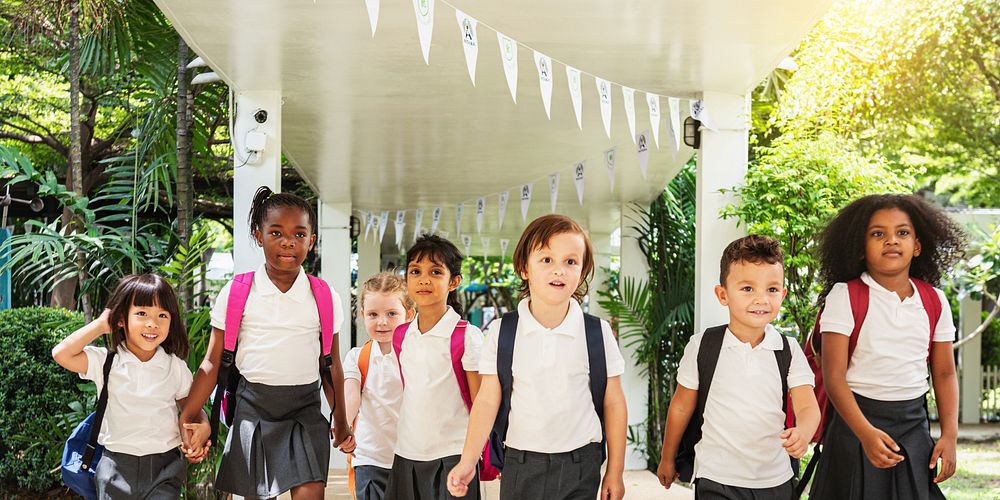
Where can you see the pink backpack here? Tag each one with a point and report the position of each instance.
(487, 472)
(229, 376)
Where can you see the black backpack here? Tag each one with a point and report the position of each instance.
(708, 358)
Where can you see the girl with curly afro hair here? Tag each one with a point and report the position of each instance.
(880, 259)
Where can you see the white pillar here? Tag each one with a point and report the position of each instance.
(602, 260)
(369, 263)
(335, 260)
(634, 383)
(970, 368)
(261, 170)
(722, 163)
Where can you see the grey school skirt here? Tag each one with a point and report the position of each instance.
(279, 440)
(844, 472)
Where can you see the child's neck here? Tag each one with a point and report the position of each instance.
(548, 315)
(899, 282)
(139, 353)
(747, 334)
(429, 315)
(283, 280)
(386, 347)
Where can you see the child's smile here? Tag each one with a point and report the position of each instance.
(147, 328)
(429, 282)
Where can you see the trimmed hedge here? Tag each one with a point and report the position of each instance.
(35, 397)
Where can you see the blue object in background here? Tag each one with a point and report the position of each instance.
(5, 276)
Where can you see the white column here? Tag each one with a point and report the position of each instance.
(722, 163)
(369, 263)
(253, 171)
(602, 260)
(970, 368)
(634, 383)
(335, 260)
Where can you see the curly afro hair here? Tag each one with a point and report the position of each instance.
(842, 243)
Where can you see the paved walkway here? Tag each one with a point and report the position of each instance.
(972, 432)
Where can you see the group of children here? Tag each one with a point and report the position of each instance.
(429, 406)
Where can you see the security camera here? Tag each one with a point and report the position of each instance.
(260, 115)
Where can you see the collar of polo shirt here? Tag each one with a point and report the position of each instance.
(299, 292)
(444, 327)
(160, 359)
(572, 324)
(874, 285)
(772, 340)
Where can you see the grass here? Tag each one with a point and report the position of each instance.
(978, 473)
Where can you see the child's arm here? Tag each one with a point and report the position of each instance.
(484, 413)
(880, 449)
(69, 353)
(475, 381)
(343, 437)
(616, 429)
(204, 382)
(946, 394)
(352, 398)
(682, 406)
(806, 410)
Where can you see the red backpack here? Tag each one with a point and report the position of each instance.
(487, 472)
(858, 292)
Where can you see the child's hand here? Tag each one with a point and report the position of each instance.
(667, 472)
(343, 440)
(196, 434)
(794, 442)
(460, 477)
(197, 455)
(612, 487)
(880, 449)
(945, 451)
(104, 321)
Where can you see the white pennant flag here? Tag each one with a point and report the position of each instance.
(503, 248)
(425, 25)
(383, 221)
(700, 112)
(400, 222)
(653, 101)
(553, 189)
(418, 223)
(675, 121)
(502, 206)
(467, 243)
(458, 218)
(373, 6)
(435, 219)
(368, 222)
(578, 180)
(525, 201)
(480, 211)
(573, 77)
(485, 240)
(470, 41)
(604, 96)
(642, 150)
(629, 96)
(609, 163)
(508, 54)
(544, 65)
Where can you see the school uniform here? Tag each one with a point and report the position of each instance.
(375, 428)
(740, 454)
(139, 432)
(888, 375)
(554, 436)
(280, 438)
(433, 418)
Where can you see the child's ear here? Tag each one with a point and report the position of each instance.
(312, 241)
(455, 281)
(258, 237)
(916, 247)
(410, 313)
(720, 293)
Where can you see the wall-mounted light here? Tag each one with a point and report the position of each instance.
(692, 133)
(355, 227)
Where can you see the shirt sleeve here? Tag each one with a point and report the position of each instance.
(687, 370)
(473, 348)
(612, 353)
(184, 378)
(218, 314)
(338, 311)
(945, 330)
(351, 369)
(837, 316)
(799, 372)
(95, 365)
(488, 358)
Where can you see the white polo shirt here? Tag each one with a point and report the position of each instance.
(740, 444)
(551, 409)
(375, 429)
(279, 339)
(141, 416)
(433, 418)
(890, 360)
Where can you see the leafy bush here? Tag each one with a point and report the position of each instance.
(36, 394)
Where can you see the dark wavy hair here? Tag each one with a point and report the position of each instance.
(842, 244)
(439, 251)
(145, 290)
(264, 200)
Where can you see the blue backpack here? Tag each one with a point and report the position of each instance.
(82, 453)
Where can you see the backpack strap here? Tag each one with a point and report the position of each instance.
(457, 351)
(858, 292)
(708, 358)
(932, 304)
(397, 346)
(505, 373)
(324, 304)
(102, 405)
(239, 292)
(784, 359)
(364, 357)
(598, 370)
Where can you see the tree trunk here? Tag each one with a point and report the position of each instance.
(184, 184)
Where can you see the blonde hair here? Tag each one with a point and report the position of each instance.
(385, 282)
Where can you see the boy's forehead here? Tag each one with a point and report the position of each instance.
(762, 270)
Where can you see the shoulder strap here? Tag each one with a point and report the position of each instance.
(457, 351)
(932, 304)
(505, 371)
(784, 359)
(102, 405)
(324, 304)
(397, 346)
(708, 358)
(858, 293)
(363, 359)
(598, 363)
(239, 291)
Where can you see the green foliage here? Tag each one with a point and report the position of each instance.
(40, 402)
(491, 280)
(790, 192)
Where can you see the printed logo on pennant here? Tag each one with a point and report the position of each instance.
(435, 219)
(502, 206)
(503, 247)
(629, 96)
(383, 221)
(400, 222)
(467, 243)
(653, 101)
(553, 189)
(418, 223)
(573, 78)
(609, 164)
(508, 54)
(604, 94)
(480, 211)
(458, 218)
(578, 180)
(675, 121)
(544, 65)
(525, 201)
(470, 42)
(425, 25)
(642, 150)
